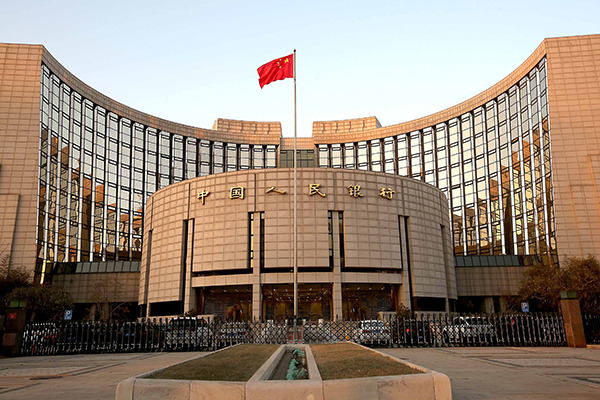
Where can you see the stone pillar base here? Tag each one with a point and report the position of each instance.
(573, 322)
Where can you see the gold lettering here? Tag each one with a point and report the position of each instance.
(274, 190)
(236, 192)
(203, 195)
(387, 193)
(313, 189)
(354, 191)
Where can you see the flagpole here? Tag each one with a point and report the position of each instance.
(295, 204)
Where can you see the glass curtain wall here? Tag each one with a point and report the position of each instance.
(97, 169)
(492, 163)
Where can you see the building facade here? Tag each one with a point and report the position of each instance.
(367, 242)
(519, 165)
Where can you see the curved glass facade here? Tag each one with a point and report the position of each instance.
(492, 163)
(96, 170)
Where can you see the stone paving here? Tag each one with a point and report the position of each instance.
(499, 373)
(77, 377)
(513, 373)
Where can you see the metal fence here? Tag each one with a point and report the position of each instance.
(189, 334)
(591, 328)
(443, 330)
(177, 334)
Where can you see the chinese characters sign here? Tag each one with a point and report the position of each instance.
(355, 191)
(387, 193)
(236, 192)
(273, 189)
(313, 189)
(203, 195)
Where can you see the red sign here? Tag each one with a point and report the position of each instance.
(12, 315)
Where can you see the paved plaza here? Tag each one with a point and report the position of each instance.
(476, 373)
(503, 373)
(77, 377)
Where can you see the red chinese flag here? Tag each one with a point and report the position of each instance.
(276, 70)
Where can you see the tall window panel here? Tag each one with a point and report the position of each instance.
(376, 156)
(205, 157)
(165, 175)
(138, 177)
(403, 151)
(232, 157)
(429, 156)
(218, 156)
(271, 156)
(336, 156)
(349, 157)
(323, 155)
(389, 155)
(258, 157)
(416, 156)
(87, 145)
(99, 186)
(76, 177)
(441, 154)
(151, 161)
(481, 204)
(363, 155)
(177, 156)
(191, 158)
(124, 214)
(245, 157)
(468, 161)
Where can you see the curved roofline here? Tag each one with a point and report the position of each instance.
(441, 116)
(257, 136)
(324, 132)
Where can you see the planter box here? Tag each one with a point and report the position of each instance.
(429, 385)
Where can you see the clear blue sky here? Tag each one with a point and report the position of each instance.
(195, 61)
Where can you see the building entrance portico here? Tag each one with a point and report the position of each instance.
(314, 301)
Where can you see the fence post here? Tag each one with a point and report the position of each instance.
(569, 307)
(13, 331)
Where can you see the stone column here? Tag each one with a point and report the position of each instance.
(336, 282)
(256, 273)
(489, 305)
(405, 289)
(503, 304)
(256, 298)
(569, 307)
(189, 295)
(337, 294)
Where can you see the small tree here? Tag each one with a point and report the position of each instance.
(543, 283)
(11, 277)
(583, 275)
(45, 302)
(403, 312)
(104, 293)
